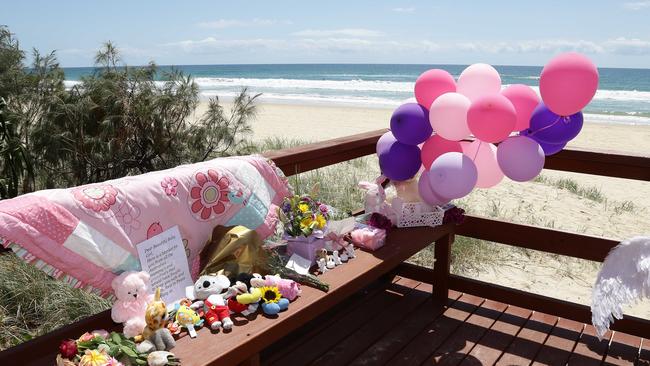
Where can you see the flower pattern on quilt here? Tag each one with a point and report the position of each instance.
(209, 197)
(97, 198)
(127, 216)
(169, 185)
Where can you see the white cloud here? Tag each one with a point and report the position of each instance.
(531, 46)
(232, 23)
(403, 10)
(628, 46)
(636, 5)
(346, 32)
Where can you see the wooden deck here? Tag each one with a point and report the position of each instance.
(397, 323)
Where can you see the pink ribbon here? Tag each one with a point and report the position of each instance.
(337, 239)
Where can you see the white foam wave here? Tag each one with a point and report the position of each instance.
(351, 85)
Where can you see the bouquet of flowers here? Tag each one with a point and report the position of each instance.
(100, 348)
(303, 216)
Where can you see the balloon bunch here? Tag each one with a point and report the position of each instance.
(428, 135)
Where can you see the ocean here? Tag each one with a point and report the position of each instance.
(623, 95)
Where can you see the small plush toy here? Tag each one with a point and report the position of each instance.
(186, 317)
(132, 292)
(272, 300)
(244, 302)
(289, 289)
(209, 290)
(156, 336)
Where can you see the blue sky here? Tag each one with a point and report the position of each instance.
(613, 33)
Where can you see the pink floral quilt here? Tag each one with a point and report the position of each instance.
(87, 235)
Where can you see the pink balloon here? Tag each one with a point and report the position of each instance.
(484, 156)
(478, 80)
(436, 146)
(525, 100)
(520, 158)
(432, 84)
(448, 116)
(452, 175)
(568, 83)
(426, 193)
(491, 118)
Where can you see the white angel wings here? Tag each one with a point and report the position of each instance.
(624, 278)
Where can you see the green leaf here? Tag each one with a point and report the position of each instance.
(129, 352)
(115, 337)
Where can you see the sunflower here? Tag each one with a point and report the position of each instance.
(270, 294)
(320, 219)
(306, 222)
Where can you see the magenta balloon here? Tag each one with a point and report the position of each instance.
(491, 118)
(436, 146)
(426, 193)
(452, 175)
(385, 142)
(410, 124)
(478, 80)
(484, 156)
(568, 83)
(432, 84)
(448, 116)
(520, 158)
(400, 161)
(524, 99)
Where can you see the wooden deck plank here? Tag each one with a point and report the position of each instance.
(529, 340)
(560, 343)
(436, 332)
(346, 323)
(392, 342)
(624, 349)
(456, 348)
(349, 311)
(389, 317)
(252, 337)
(590, 350)
(498, 337)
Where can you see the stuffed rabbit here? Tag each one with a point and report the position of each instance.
(376, 198)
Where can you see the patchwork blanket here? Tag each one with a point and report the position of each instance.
(87, 235)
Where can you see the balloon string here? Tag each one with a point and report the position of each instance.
(477, 150)
(565, 119)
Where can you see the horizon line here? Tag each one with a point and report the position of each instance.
(341, 63)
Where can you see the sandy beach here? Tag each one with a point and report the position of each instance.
(621, 213)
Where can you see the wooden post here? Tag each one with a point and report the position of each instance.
(441, 267)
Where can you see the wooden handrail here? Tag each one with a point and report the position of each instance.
(321, 154)
(538, 238)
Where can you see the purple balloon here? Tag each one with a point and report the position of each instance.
(410, 124)
(426, 193)
(400, 161)
(549, 149)
(552, 128)
(520, 158)
(452, 175)
(385, 142)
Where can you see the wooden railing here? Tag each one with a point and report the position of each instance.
(313, 156)
(605, 163)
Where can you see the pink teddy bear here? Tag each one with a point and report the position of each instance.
(132, 292)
